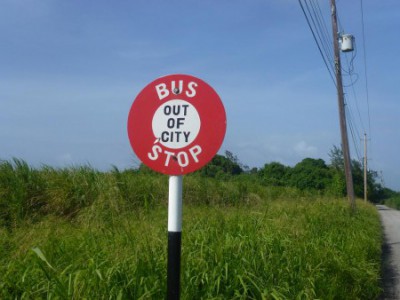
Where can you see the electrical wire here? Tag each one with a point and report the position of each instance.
(353, 132)
(326, 31)
(351, 73)
(321, 28)
(323, 55)
(365, 66)
(350, 64)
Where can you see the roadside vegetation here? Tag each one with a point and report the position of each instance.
(272, 233)
(392, 199)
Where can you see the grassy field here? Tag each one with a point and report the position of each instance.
(78, 233)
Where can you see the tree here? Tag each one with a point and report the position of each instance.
(221, 166)
(358, 178)
(310, 173)
(274, 174)
(234, 159)
(337, 160)
(337, 165)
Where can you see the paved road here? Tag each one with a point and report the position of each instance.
(391, 251)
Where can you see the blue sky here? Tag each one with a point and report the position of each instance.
(70, 70)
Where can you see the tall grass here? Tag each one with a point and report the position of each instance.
(31, 194)
(393, 202)
(78, 233)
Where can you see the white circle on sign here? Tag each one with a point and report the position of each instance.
(176, 124)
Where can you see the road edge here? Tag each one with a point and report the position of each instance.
(388, 270)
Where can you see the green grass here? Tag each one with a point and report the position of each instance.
(78, 233)
(280, 250)
(393, 202)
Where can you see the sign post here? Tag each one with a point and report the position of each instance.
(176, 125)
(174, 236)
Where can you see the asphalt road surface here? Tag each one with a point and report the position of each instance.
(391, 252)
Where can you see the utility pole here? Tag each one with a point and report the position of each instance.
(365, 169)
(342, 116)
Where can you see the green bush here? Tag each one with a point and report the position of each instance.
(393, 202)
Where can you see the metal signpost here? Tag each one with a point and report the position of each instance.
(176, 125)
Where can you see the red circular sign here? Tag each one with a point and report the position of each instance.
(176, 124)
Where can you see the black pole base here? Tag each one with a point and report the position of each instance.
(174, 265)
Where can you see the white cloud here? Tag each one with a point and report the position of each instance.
(304, 150)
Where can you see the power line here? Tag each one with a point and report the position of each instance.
(365, 66)
(326, 31)
(353, 131)
(322, 30)
(316, 41)
(352, 83)
(351, 73)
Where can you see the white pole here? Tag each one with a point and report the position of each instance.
(175, 204)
